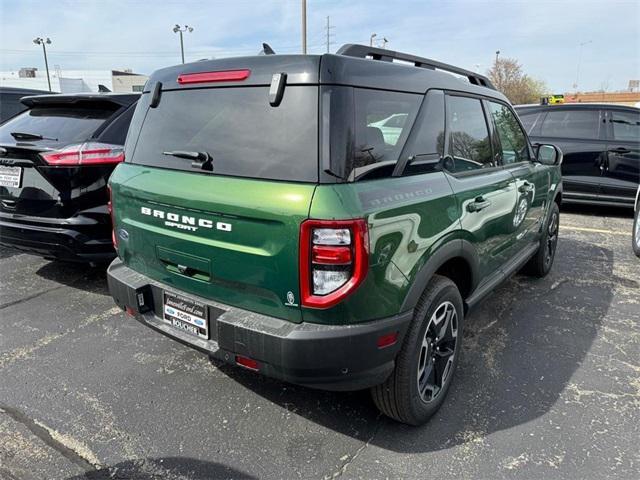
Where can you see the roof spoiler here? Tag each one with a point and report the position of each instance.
(363, 51)
(74, 99)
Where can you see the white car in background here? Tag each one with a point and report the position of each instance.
(391, 127)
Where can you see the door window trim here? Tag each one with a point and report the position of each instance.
(403, 158)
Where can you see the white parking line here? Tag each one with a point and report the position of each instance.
(593, 230)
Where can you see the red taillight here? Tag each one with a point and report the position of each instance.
(330, 255)
(334, 260)
(114, 238)
(387, 340)
(208, 77)
(90, 153)
(249, 363)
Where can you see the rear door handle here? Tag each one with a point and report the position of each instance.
(620, 150)
(478, 204)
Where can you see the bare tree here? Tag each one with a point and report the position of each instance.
(507, 76)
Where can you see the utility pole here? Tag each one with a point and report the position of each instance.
(329, 34)
(181, 30)
(44, 43)
(304, 27)
(582, 44)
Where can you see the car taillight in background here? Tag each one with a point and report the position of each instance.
(89, 153)
(114, 237)
(334, 259)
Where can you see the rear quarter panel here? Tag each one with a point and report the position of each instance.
(409, 218)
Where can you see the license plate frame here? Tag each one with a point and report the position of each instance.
(186, 314)
(10, 176)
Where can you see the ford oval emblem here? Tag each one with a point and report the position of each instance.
(123, 234)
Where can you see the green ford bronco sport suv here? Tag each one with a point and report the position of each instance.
(262, 217)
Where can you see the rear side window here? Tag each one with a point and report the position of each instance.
(626, 126)
(469, 144)
(59, 125)
(242, 132)
(368, 130)
(583, 124)
(382, 123)
(10, 105)
(513, 142)
(116, 132)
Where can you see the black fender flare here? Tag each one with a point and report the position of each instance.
(558, 193)
(457, 248)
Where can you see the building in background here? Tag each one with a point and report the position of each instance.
(75, 81)
(629, 98)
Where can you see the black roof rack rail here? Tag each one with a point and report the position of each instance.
(363, 51)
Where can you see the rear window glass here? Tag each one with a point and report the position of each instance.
(59, 125)
(572, 124)
(237, 127)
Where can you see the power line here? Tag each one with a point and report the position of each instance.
(192, 53)
(329, 34)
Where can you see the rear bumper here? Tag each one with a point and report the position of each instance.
(80, 239)
(328, 357)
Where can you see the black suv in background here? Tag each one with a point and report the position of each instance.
(10, 103)
(55, 160)
(601, 147)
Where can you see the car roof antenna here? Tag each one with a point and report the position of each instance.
(267, 50)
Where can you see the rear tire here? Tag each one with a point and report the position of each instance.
(424, 368)
(540, 264)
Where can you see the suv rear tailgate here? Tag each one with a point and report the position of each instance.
(227, 239)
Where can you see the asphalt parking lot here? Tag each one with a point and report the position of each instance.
(548, 386)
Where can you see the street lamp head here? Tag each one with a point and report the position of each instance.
(178, 28)
(48, 41)
(37, 40)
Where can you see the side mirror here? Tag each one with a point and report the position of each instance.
(548, 154)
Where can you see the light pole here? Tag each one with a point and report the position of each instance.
(582, 44)
(181, 30)
(44, 42)
(304, 27)
(497, 55)
(373, 35)
(384, 42)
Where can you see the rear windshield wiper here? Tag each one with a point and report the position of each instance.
(202, 160)
(30, 136)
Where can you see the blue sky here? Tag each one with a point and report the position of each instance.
(544, 36)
